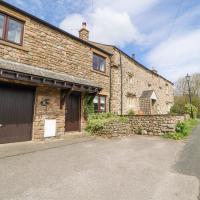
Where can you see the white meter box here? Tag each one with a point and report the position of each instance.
(50, 128)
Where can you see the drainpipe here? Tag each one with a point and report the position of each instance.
(110, 86)
(121, 82)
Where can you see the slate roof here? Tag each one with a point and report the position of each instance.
(37, 71)
(147, 94)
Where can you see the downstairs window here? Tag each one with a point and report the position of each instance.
(100, 103)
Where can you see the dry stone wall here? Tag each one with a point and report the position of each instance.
(144, 125)
(155, 124)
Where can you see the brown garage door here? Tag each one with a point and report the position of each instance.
(16, 113)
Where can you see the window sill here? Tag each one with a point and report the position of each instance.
(2, 42)
(99, 72)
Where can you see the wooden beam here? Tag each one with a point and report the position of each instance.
(20, 76)
(64, 94)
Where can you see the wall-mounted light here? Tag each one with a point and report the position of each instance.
(44, 102)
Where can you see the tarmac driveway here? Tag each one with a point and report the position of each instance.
(129, 168)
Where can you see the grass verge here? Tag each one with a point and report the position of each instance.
(183, 129)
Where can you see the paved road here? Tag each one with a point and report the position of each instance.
(129, 168)
(189, 161)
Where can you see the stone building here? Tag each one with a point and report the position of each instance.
(46, 74)
(135, 87)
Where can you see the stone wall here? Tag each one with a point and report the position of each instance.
(155, 124)
(51, 111)
(144, 125)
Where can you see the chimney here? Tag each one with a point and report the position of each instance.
(84, 33)
(133, 56)
(154, 70)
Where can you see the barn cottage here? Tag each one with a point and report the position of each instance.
(45, 74)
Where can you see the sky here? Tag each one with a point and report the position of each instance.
(163, 34)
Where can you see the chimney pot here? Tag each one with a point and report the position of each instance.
(154, 70)
(84, 25)
(84, 33)
(133, 56)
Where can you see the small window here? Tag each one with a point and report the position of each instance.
(11, 29)
(1, 25)
(14, 31)
(99, 103)
(98, 63)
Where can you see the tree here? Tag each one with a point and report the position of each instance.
(181, 86)
(181, 94)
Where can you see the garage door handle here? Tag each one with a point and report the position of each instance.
(1, 125)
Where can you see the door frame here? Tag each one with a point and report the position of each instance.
(80, 110)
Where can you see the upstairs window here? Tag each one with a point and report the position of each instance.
(1, 25)
(11, 29)
(100, 103)
(99, 62)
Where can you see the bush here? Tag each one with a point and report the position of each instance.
(97, 121)
(131, 112)
(181, 101)
(183, 129)
(187, 109)
(88, 105)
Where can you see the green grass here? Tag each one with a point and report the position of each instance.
(183, 130)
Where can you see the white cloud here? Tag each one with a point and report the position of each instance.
(178, 55)
(105, 25)
(72, 23)
(110, 22)
(109, 26)
(132, 7)
(147, 24)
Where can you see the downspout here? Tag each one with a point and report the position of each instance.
(110, 86)
(121, 82)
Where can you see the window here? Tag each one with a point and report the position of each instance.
(130, 80)
(131, 103)
(99, 103)
(99, 63)
(11, 29)
(1, 25)
(167, 89)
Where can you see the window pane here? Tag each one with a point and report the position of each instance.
(95, 62)
(102, 104)
(101, 64)
(14, 31)
(1, 25)
(95, 101)
(98, 62)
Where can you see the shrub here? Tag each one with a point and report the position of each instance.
(183, 129)
(97, 121)
(187, 109)
(131, 112)
(88, 105)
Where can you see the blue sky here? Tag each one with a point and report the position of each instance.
(164, 34)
